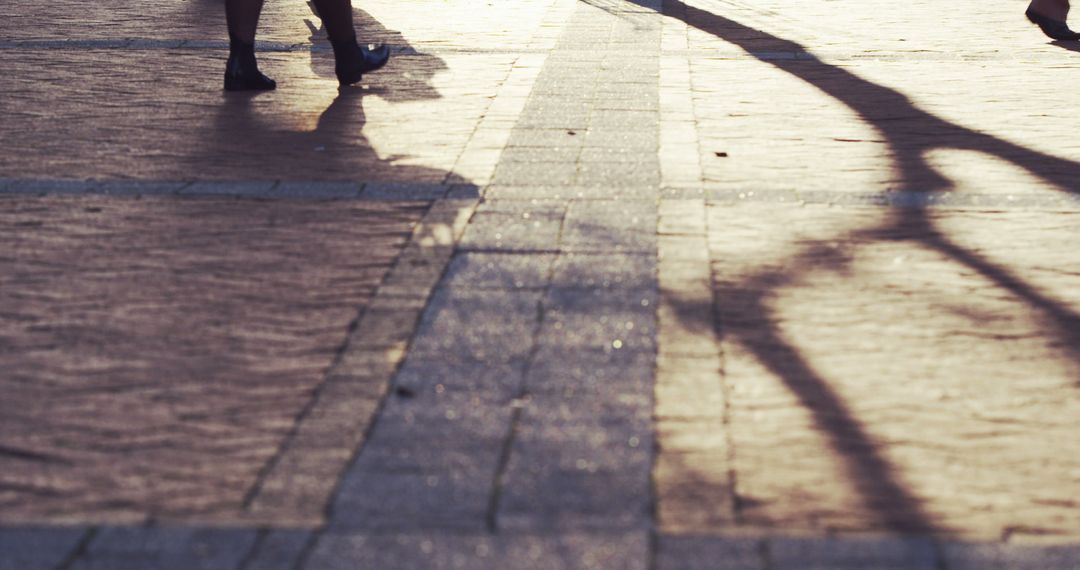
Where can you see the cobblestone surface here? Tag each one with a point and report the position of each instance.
(157, 351)
(570, 284)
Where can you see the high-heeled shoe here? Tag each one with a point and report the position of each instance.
(1055, 29)
(242, 74)
(352, 61)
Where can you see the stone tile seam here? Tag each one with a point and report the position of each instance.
(725, 386)
(144, 44)
(668, 334)
(940, 553)
(373, 190)
(79, 550)
(414, 251)
(331, 190)
(503, 465)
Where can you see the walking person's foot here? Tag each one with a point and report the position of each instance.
(1051, 16)
(352, 61)
(243, 75)
(242, 71)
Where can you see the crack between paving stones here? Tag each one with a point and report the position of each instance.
(764, 554)
(286, 445)
(495, 500)
(520, 398)
(654, 502)
(725, 386)
(260, 539)
(79, 550)
(940, 561)
(316, 534)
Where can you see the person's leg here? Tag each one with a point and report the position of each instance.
(1055, 9)
(242, 72)
(1051, 16)
(351, 60)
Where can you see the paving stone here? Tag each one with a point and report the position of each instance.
(596, 319)
(504, 231)
(601, 371)
(694, 553)
(316, 189)
(230, 188)
(518, 173)
(433, 455)
(525, 193)
(636, 139)
(279, 550)
(494, 326)
(885, 553)
(438, 551)
(33, 186)
(463, 192)
(1002, 556)
(37, 548)
(618, 272)
(558, 138)
(549, 496)
(553, 119)
(536, 154)
(614, 175)
(403, 191)
(590, 156)
(119, 548)
(139, 187)
(596, 226)
(448, 499)
(620, 120)
(499, 271)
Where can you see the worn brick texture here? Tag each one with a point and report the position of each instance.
(902, 371)
(156, 352)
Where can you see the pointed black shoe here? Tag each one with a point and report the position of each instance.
(1052, 28)
(242, 74)
(353, 61)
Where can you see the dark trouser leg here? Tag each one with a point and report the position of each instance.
(351, 60)
(337, 18)
(242, 72)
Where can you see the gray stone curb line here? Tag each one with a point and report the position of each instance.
(294, 189)
(301, 480)
(267, 46)
(323, 190)
(175, 44)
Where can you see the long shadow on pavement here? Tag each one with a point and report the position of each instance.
(910, 133)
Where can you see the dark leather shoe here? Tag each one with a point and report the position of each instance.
(241, 75)
(1053, 28)
(351, 67)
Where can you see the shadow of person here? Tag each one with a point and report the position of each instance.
(271, 136)
(410, 72)
(251, 140)
(412, 81)
(1071, 46)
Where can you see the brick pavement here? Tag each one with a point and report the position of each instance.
(666, 285)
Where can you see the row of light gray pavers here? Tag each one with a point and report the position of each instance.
(249, 549)
(419, 191)
(249, 188)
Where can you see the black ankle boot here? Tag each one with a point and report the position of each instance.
(1052, 28)
(351, 61)
(242, 72)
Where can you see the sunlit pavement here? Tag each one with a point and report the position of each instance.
(570, 284)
